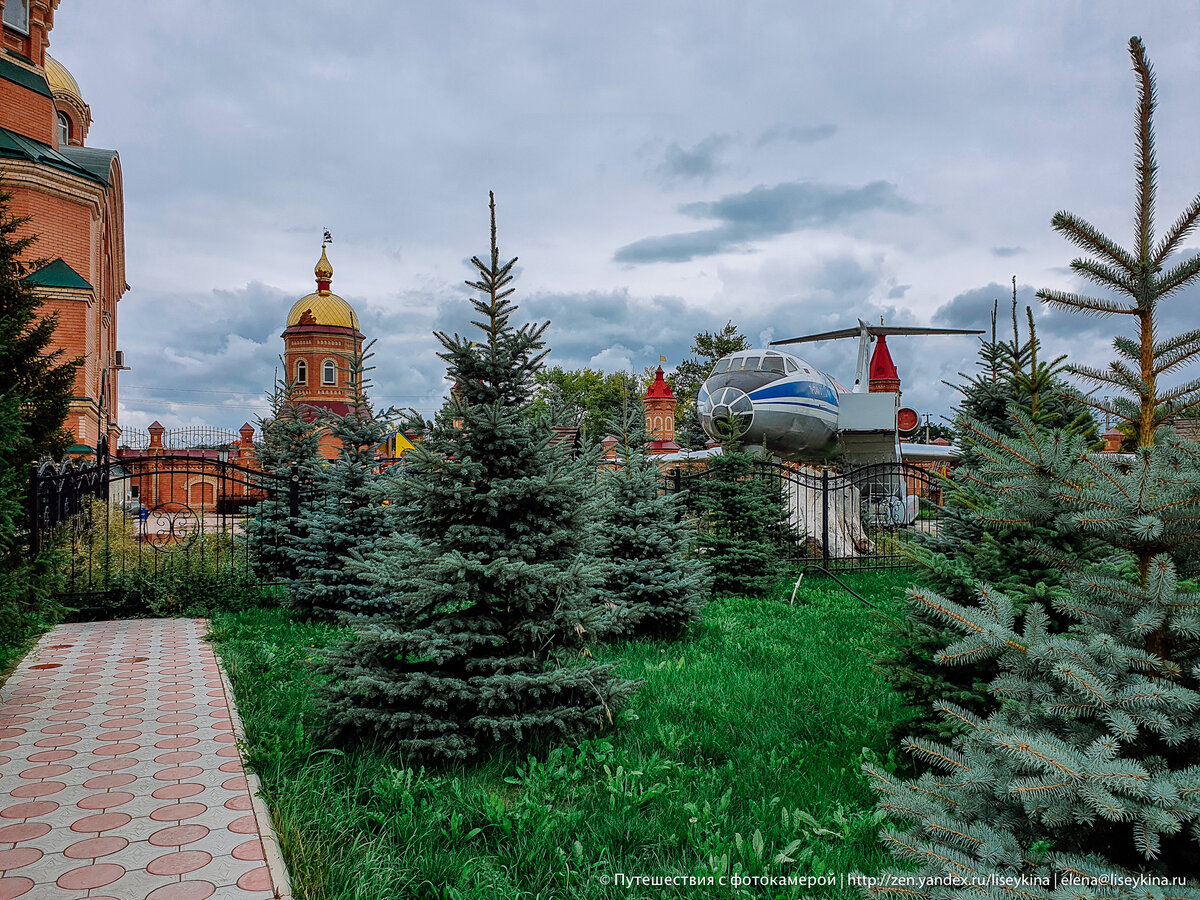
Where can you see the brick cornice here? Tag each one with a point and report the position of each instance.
(56, 183)
(60, 293)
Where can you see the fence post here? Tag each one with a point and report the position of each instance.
(678, 481)
(35, 536)
(825, 517)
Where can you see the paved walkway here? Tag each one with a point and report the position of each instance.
(119, 772)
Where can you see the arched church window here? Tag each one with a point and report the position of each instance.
(64, 129)
(329, 372)
(301, 372)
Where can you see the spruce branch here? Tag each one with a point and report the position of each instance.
(1097, 306)
(1178, 276)
(1104, 274)
(1084, 235)
(1178, 231)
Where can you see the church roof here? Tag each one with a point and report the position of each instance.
(16, 146)
(26, 78)
(93, 159)
(882, 367)
(58, 274)
(322, 306)
(660, 388)
(60, 80)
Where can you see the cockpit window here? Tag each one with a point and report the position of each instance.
(773, 364)
(722, 366)
(791, 366)
(751, 363)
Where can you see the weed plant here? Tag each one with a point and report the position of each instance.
(739, 755)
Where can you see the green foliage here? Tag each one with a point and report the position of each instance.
(123, 577)
(1087, 763)
(1093, 746)
(39, 380)
(584, 397)
(345, 513)
(654, 584)
(1013, 376)
(35, 394)
(289, 448)
(25, 604)
(738, 755)
(1135, 282)
(487, 578)
(971, 544)
(743, 533)
(689, 375)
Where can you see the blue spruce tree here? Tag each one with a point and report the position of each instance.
(654, 584)
(972, 543)
(289, 449)
(346, 514)
(487, 581)
(741, 511)
(1085, 773)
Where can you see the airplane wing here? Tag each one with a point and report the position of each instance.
(874, 330)
(900, 329)
(823, 336)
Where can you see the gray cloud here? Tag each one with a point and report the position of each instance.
(699, 163)
(250, 141)
(797, 134)
(764, 212)
(1005, 252)
(973, 308)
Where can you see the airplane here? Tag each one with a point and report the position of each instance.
(781, 402)
(784, 404)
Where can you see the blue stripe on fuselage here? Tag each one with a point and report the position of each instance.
(781, 390)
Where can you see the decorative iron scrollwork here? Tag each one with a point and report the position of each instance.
(168, 526)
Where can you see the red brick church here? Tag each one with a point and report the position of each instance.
(320, 342)
(72, 194)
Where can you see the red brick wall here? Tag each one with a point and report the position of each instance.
(64, 226)
(28, 114)
(315, 348)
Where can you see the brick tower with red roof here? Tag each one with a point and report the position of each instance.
(660, 404)
(882, 375)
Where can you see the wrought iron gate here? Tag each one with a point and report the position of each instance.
(118, 521)
(859, 519)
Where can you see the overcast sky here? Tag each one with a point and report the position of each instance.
(659, 168)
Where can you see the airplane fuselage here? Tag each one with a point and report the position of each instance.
(773, 399)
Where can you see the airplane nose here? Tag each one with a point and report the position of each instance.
(731, 409)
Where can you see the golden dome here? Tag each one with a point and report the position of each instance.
(323, 307)
(60, 80)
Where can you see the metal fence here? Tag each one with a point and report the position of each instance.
(184, 438)
(862, 518)
(120, 521)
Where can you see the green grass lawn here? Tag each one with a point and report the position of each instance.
(739, 755)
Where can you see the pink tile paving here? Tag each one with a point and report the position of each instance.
(120, 775)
